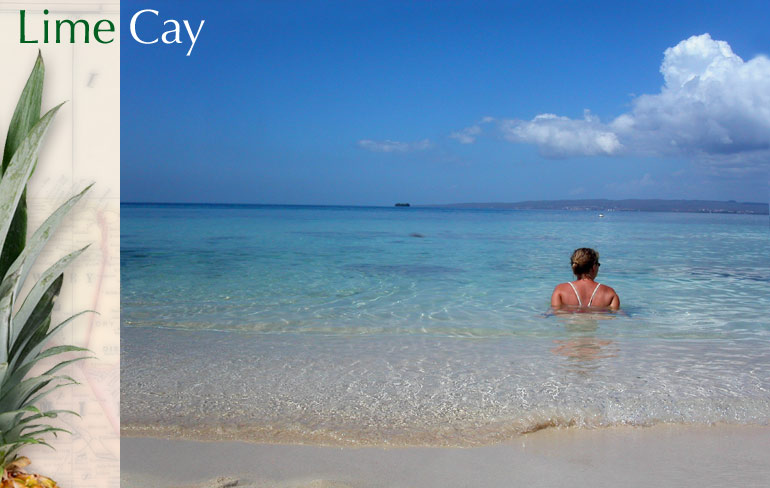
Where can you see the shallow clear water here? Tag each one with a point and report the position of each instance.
(430, 326)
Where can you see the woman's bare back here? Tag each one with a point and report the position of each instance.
(586, 293)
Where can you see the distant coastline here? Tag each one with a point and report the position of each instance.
(598, 205)
(631, 205)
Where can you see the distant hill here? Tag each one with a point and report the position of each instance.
(694, 206)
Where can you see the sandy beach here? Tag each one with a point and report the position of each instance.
(708, 456)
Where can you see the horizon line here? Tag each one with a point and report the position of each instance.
(446, 204)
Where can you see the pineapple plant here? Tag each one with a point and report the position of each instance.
(25, 322)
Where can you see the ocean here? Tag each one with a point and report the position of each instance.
(419, 326)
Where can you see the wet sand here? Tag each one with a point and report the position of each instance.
(708, 456)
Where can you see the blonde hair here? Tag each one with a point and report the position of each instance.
(583, 260)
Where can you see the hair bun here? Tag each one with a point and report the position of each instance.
(583, 260)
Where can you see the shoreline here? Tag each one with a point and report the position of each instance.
(426, 390)
(451, 438)
(668, 455)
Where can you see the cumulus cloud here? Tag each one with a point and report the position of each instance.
(560, 137)
(713, 106)
(389, 146)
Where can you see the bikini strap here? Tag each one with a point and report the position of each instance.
(592, 294)
(580, 304)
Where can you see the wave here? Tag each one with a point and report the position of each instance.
(468, 435)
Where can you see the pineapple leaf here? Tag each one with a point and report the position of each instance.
(36, 293)
(7, 288)
(51, 414)
(13, 399)
(25, 325)
(40, 396)
(65, 363)
(26, 114)
(36, 324)
(9, 448)
(13, 413)
(27, 111)
(18, 443)
(19, 396)
(35, 350)
(41, 236)
(19, 169)
(14, 417)
(46, 428)
(22, 370)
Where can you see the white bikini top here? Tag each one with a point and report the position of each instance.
(580, 303)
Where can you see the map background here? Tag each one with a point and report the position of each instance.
(82, 147)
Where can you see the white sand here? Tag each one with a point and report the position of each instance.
(663, 456)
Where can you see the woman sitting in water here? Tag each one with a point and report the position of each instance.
(584, 292)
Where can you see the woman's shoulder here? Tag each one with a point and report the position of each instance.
(562, 287)
(606, 288)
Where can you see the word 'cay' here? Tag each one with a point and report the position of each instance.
(171, 36)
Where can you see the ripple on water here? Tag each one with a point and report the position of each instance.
(334, 325)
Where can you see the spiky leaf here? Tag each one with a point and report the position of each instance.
(25, 116)
(36, 324)
(24, 332)
(41, 237)
(31, 301)
(18, 171)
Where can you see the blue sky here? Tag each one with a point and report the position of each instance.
(369, 103)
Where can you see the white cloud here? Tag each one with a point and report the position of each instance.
(393, 146)
(562, 137)
(714, 107)
(470, 134)
(712, 104)
(467, 135)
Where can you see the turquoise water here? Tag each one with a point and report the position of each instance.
(432, 326)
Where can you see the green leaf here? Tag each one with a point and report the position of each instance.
(18, 171)
(14, 398)
(27, 111)
(51, 414)
(25, 326)
(36, 324)
(41, 237)
(47, 428)
(19, 396)
(34, 400)
(25, 116)
(25, 368)
(9, 419)
(7, 288)
(19, 355)
(11, 448)
(36, 349)
(37, 291)
(62, 364)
